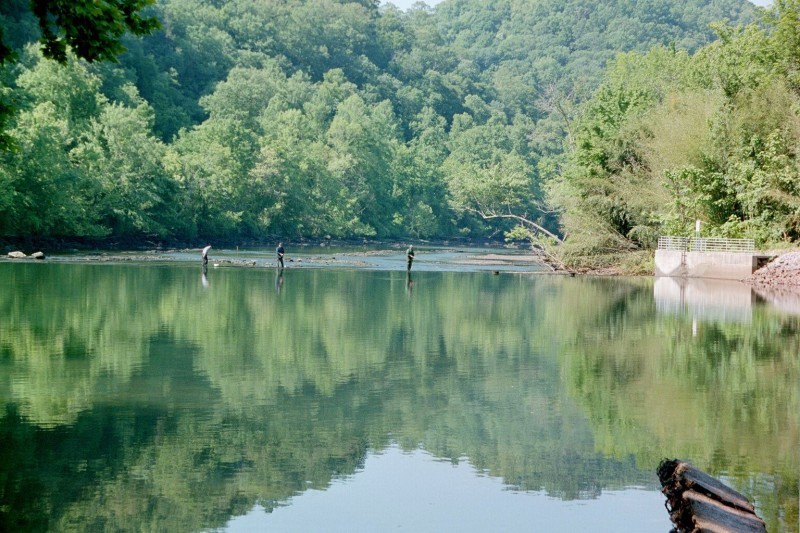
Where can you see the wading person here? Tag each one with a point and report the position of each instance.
(205, 254)
(279, 252)
(410, 255)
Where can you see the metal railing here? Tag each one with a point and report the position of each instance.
(706, 244)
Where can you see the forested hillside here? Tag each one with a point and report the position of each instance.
(251, 119)
(671, 137)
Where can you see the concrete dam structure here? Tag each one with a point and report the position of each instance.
(684, 257)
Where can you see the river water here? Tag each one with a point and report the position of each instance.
(156, 396)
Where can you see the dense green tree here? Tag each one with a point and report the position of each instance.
(785, 17)
(210, 165)
(363, 140)
(119, 149)
(47, 194)
(50, 195)
(487, 173)
(345, 118)
(671, 138)
(606, 195)
(420, 193)
(91, 30)
(302, 197)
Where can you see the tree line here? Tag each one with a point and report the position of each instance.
(243, 120)
(671, 137)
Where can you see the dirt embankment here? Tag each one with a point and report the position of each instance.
(782, 272)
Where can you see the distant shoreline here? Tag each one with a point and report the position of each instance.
(29, 245)
(370, 256)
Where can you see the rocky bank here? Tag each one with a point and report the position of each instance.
(782, 272)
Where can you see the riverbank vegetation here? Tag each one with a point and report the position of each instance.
(672, 137)
(602, 126)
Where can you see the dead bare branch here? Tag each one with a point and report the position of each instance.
(492, 215)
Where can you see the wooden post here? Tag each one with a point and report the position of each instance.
(698, 502)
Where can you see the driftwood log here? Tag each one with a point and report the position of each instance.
(699, 503)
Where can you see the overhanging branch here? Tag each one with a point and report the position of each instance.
(491, 215)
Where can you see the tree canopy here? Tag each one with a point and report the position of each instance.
(243, 120)
(91, 30)
(671, 137)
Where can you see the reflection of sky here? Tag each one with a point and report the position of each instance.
(430, 495)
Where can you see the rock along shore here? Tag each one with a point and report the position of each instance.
(782, 272)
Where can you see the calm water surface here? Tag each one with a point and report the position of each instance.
(151, 397)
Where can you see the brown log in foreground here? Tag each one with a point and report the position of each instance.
(698, 502)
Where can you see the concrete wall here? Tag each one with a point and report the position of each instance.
(670, 263)
(714, 265)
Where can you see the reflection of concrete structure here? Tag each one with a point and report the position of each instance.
(786, 299)
(705, 299)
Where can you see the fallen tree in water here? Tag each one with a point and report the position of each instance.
(698, 502)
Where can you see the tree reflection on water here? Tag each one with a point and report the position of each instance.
(136, 398)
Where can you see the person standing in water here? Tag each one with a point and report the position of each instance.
(279, 252)
(410, 255)
(205, 254)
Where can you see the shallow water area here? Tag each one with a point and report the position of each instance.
(368, 257)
